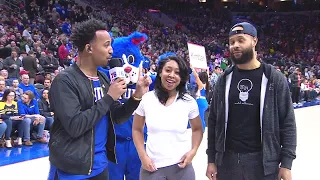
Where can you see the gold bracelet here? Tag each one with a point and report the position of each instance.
(136, 99)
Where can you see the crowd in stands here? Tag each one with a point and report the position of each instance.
(34, 48)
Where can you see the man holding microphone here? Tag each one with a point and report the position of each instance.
(86, 108)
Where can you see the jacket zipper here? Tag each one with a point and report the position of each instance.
(90, 170)
(91, 162)
(115, 139)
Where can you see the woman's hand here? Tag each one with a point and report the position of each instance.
(148, 164)
(187, 159)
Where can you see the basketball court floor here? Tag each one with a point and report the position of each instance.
(28, 163)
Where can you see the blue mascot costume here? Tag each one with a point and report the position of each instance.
(128, 162)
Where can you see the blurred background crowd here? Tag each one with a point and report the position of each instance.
(35, 47)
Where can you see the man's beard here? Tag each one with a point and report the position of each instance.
(245, 57)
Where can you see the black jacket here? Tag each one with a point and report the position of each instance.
(277, 121)
(30, 64)
(44, 108)
(75, 115)
(46, 63)
(12, 73)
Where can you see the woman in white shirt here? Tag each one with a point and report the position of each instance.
(166, 112)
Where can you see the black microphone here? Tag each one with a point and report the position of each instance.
(116, 70)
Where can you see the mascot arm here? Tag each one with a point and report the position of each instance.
(153, 78)
(119, 112)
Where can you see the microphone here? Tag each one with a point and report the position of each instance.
(116, 70)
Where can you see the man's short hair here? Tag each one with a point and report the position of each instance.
(84, 32)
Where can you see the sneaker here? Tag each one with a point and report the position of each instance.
(28, 143)
(8, 144)
(42, 140)
(19, 141)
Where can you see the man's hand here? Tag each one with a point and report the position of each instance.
(284, 174)
(41, 119)
(211, 171)
(36, 122)
(117, 88)
(142, 85)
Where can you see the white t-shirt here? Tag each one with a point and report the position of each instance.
(168, 139)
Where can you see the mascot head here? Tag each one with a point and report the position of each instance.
(128, 49)
(165, 55)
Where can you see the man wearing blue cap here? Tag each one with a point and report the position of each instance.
(251, 126)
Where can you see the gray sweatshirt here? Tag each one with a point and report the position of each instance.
(277, 120)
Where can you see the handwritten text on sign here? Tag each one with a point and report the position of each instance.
(197, 55)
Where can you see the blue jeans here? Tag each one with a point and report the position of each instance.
(27, 123)
(3, 127)
(49, 122)
(10, 125)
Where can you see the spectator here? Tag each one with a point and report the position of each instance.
(63, 53)
(4, 74)
(9, 114)
(47, 83)
(28, 109)
(12, 64)
(25, 86)
(295, 81)
(29, 64)
(18, 91)
(2, 88)
(45, 109)
(49, 62)
(26, 32)
(3, 127)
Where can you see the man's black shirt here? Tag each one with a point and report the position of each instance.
(243, 131)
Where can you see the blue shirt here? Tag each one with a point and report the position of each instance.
(30, 87)
(100, 162)
(30, 109)
(1, 95)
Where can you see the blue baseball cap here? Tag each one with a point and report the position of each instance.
(247, 29)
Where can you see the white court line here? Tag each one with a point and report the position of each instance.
(305, 167)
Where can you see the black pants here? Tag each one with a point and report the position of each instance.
(295, 94)
(102, 176)
(238, 166)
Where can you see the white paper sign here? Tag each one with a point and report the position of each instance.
(197, 55)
